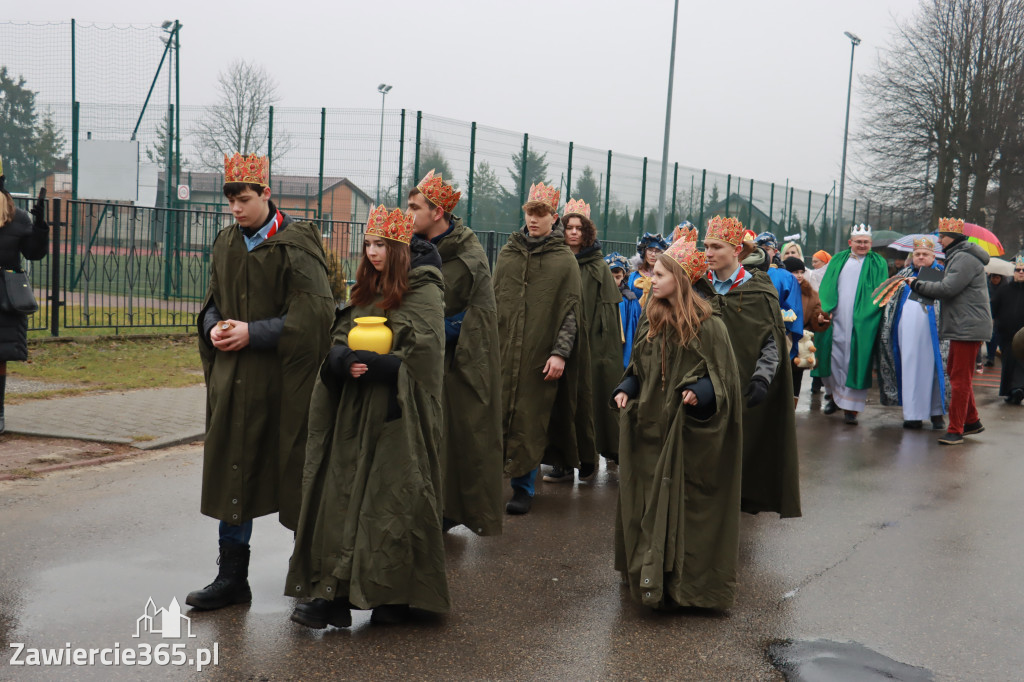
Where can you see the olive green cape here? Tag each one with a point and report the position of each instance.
(549, 421)
(471, 444)
(771, 469)
(370, 527)
(603, 327)
(677, 527)
(257, 401)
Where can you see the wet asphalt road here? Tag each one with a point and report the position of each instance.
(909, 549)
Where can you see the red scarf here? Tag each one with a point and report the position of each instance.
(739, 277)
(278, 219)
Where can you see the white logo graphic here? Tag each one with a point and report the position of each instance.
(170, 621)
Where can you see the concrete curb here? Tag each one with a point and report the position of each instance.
(71, 465)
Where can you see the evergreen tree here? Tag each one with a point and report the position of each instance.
(17, 131)
(157, 153)
(586, 189)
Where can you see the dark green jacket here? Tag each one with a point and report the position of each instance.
(771, 470)
(603, 329)
(471, 459)
(258, 400)
(677, 527)
(542, 420)
(370, 527)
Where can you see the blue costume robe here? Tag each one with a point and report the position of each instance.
(789, 299)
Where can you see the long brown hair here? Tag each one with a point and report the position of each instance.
(682, 313)
(391, 283)
(6, 208)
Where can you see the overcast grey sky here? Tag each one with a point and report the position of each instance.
(760, 86)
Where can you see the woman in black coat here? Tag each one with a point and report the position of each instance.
(20, 235)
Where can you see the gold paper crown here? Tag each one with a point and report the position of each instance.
(729, 230)
(252, 168)
(547, 195)
(684, 231)
(439, 194)
(396, 226)
(685, 254)
(1018, 262)
(954, 225)
(924, 243)
(576, 207)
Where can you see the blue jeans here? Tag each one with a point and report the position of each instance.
(526, 481)
(235, 535)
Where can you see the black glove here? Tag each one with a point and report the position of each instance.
(339, 359)
(39, 211)
(382, 368)
(757, 391)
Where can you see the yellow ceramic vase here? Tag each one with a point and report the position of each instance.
(370, 333)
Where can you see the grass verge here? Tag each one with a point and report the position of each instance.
(108, 364)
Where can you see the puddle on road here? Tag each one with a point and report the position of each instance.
(823, 661)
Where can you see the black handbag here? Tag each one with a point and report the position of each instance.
(16, 293)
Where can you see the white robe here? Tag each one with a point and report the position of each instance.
(846, 398)
(921, 388)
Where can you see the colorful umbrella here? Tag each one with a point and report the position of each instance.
(984, 238)
(906, 243)
(883, 238)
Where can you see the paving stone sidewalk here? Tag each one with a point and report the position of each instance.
(146, 419)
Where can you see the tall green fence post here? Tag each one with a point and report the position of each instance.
(728, 191)
(807, 225)
(867, 210)
(703, 182)
(522, 178)
(401, 153)
(855, 211)
(789, 213)
(643, 201)
(607, 192)
(55, 269)
(419, 131)
(568, 176)
(177, 102)
(771, 209)
(675, 189)
(750, 206)
(270, 142)
(320, 190)
(472, 166)
(168, 218)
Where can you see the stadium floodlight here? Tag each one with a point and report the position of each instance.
(383, 89)
(853, 38)
(838, 221)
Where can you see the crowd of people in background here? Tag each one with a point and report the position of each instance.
(376, 427)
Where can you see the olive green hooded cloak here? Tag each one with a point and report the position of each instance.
(549, 421)
(677, 527)
(471, 443)
(771, 471)
(257, 400)
(370, 526)
(603, 328)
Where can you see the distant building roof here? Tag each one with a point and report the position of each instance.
(282, 185)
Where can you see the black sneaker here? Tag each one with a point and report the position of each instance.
(938, 423)
(815, 385)
(830, 407)
(952, 439)
(520, 502)
(560, 475)
(912, 423)
(1016, 396)
(849, 418)
(973, 428)
(990, 363)
(587, 471)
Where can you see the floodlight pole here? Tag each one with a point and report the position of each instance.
(668, 122)
(854, 42)
(383, 89)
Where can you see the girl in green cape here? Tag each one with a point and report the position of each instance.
(677, 527)
(369, 534)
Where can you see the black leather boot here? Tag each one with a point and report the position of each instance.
(320, 613)
(231, 585)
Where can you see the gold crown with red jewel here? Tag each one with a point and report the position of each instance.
(684, 253)
(396, 225)
(685, 231)
(544, 194)
(924, 243)
(254, 169)
(576, 207)
(729, 230)
(954, 225)
(438, 193)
